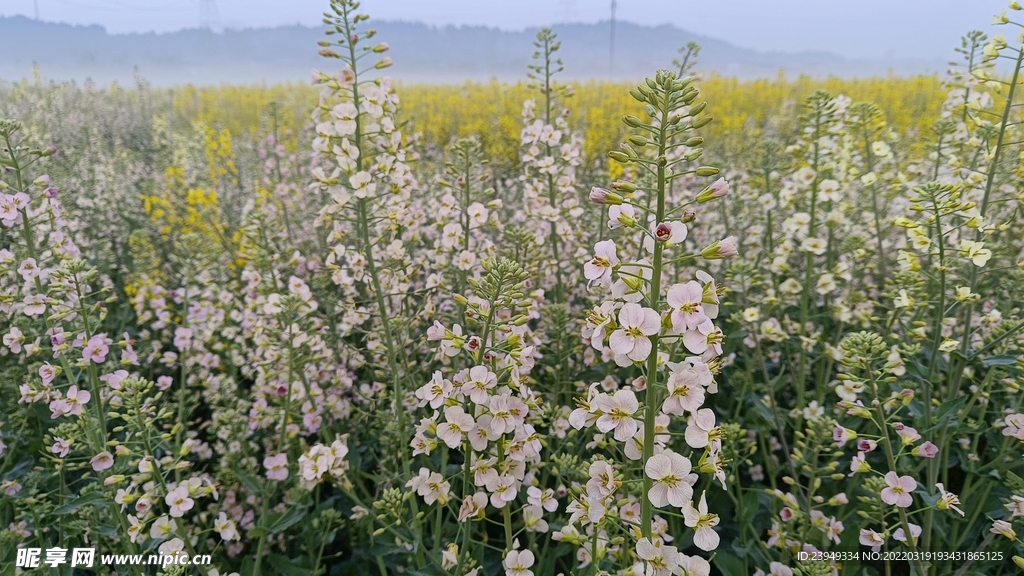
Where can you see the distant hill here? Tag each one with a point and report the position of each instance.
(421, 53)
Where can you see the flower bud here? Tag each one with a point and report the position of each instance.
(693, 154)
(721, 249)
(623, 186)
(384, 63)
(1017, 559)
(631, 121)
(637, 95)
(637, 140)
(695, 141)
(698, 108)
(618, 156)
(603, 196)
(701, 122)
(717, 189)
(707, 171)
(42, 182)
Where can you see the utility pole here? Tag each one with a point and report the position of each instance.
(611, 45)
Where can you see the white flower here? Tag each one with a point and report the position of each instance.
(179, 501)
(694, 566)
(134, 528)
(599, 269)
(703, 523)
(701, 430)
(617, 414)
(457, 424)
(660, 560)
(226, 528)
(162, 528)
(975, 251)
(518, 563)
(685, 301)
(631, 340)
(815, 246)
(685, 394)
(172, 547)
(669, 471)
(472, 505)
(479, 382)
(436, 391)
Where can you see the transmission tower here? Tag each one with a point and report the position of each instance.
(209, 16)
(611, 45)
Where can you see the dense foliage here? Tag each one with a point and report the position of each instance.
(355, 341)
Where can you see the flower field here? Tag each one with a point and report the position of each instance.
(689, 326)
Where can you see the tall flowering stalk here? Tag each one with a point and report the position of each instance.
(367, 180)
(642, 319)
(551, 154)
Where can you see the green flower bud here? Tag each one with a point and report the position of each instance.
(631, 121)
(701, 122)
(623, 186)
(693, 154)
(707, 171)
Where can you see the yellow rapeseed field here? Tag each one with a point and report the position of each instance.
(441, 113)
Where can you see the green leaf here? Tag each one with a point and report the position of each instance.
(20, 469)
(750, 505)
(1000, 360)
(282, 522)
(945, 415)
(950, 408)
(728, 564)
(251, 482)
(71, 507)
(288, 566)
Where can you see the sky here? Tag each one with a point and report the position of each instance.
(854, 29)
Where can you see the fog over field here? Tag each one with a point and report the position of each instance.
(422, 53)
